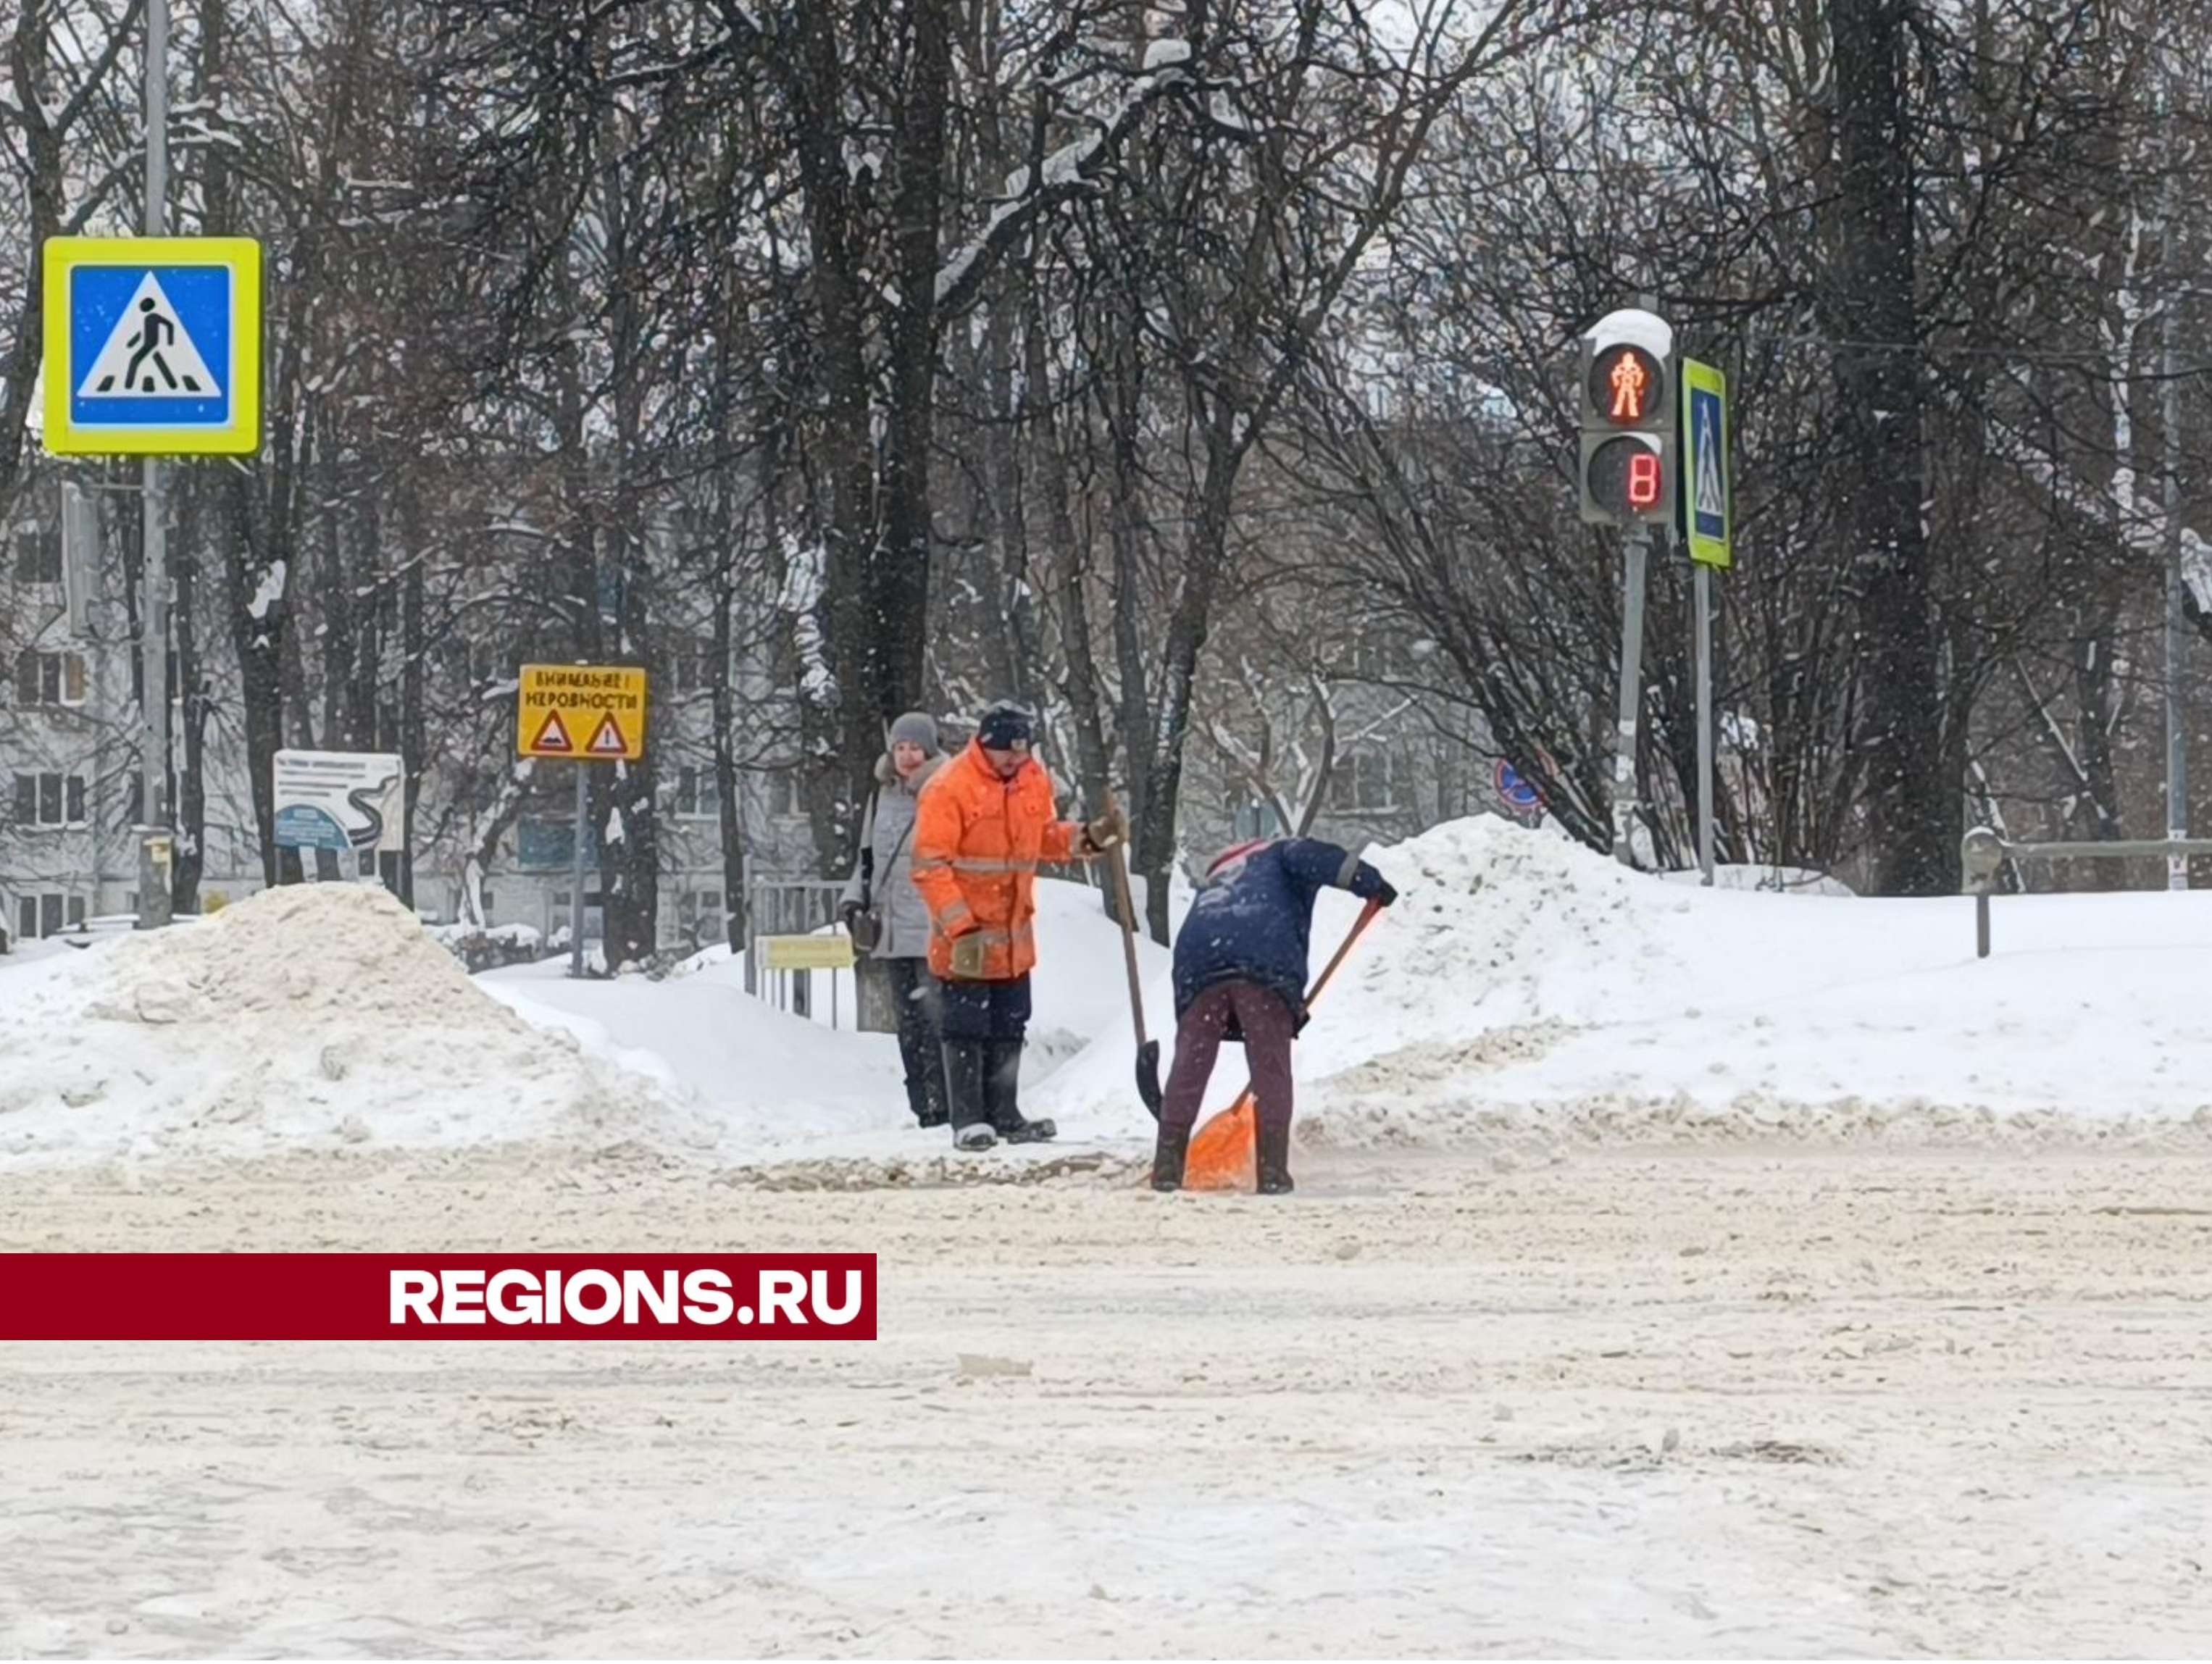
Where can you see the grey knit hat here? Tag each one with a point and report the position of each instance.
(916, 728)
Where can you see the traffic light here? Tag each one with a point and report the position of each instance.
(1626, 472)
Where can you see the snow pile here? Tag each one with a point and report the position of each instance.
(1526, 986)
(1495, 927)
(764, 1077)
(771, 1080)
(1078, 990)
(312, 1016)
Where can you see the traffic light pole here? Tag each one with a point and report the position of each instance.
(1625, 808)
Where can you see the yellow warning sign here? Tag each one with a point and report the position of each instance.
(791, 953)
(591, 712)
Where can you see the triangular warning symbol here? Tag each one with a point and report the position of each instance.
(148, 355)
(608, 741)
(552, 735)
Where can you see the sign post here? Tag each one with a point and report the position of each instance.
(1708, 531)
(576, 880)
(152, 348)
(580, 713)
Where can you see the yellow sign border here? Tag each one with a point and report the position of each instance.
(242, 435)
(1719, 551)
(629, 754)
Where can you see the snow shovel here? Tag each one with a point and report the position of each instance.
(1148, 1051)
(1224, 1153)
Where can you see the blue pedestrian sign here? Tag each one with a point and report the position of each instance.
(1708, 511)
(153, 346)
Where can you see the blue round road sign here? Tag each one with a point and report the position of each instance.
(1517, 793)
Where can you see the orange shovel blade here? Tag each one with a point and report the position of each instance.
(1224, 1152)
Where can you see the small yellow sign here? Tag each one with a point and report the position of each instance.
(584, 712)
(799, 953)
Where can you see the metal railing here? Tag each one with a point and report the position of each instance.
(1983, 853)
(787, 907)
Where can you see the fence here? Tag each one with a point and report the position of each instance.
(1983, 853)
(793, 906)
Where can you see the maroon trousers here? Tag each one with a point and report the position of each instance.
(1268, 1029)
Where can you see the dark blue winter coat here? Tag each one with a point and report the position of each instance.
(1253, 918)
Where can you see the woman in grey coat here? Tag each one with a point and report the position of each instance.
(882, 883)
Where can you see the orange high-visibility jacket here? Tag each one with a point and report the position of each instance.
(977, 841)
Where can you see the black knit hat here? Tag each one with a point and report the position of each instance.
(1005, 726)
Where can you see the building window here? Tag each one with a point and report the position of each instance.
(76, 913)
(27, 919)
(1250, 819)
(691, 665)
(49, 915)
(698, 792)
(49, 678)
(50, 799)
(39, 555)
(1370, 783)
(783, 793)
(701, 912)
(1368, 660)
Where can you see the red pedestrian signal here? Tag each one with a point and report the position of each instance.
(1625, 460)
(1625, 384)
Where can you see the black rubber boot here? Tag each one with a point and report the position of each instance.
(1275, 1140)
(1005, 1088)
(1168, 1158)
(968, 1093)
(924, 1097)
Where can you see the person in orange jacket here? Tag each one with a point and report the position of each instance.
(982, 826)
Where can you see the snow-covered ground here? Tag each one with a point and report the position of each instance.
(1639, 1297)
(1523, 991)
(1712, 1405)
(1524, 987)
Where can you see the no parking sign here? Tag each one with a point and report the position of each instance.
(1520, 797)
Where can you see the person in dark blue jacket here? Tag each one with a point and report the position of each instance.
(1240, 973)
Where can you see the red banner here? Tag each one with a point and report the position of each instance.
(437, 1296)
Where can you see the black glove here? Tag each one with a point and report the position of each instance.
(1385, 892)
(847, 911)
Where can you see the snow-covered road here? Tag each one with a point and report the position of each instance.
(1715, 1403)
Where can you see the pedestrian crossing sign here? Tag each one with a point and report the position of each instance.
(1708, 509)
(153, 346)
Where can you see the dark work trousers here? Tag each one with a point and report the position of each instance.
(984, 1010)
(1268, 1029)
(984, 1025)
(915, 991)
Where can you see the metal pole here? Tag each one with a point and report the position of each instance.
(576, 871)
(1625, 806)
(2177, 606)
(1702, 582)
(752, 939)
(154, 841)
